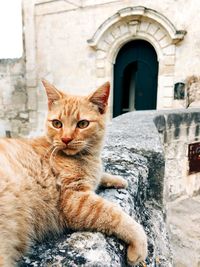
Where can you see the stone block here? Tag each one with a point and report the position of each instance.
(19, 99)
(168, 91)
(160, 34)
(144, 26)
(167, 70)
(15, 126)
(165, 41)
(123, 28)
(100, 54)
(18, 82)
(116, 32)
(33, 115)
(166, 81)
(153, 28)
(100, 63)
(167, 102)
(17, 67)
(24, 131)
(169, 50)
(11, 114)
(169, 60)
(100, 72)
(109, 38)
(179, 104)
(32, 98)
(23, 115)
(103, 46)
(133, 27)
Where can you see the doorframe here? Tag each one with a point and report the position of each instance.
(138, 23)
(126, 63)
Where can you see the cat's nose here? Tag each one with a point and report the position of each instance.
(66, 140)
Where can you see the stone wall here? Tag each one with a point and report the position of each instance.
(14, 115)
(181, 194)
(178, 130)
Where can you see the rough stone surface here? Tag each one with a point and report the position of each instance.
(13, 96)
(177, 130)
(128, 152)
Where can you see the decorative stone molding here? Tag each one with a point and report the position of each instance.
(139, 13)
(138, 23)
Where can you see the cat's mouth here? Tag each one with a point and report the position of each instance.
(73, 148)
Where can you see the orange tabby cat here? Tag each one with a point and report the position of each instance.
(48, 183)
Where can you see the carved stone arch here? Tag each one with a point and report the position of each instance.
(138, 23)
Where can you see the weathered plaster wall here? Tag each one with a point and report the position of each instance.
(177, 131)
(14, 116)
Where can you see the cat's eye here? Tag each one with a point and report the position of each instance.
(57, 124)
(83, 124)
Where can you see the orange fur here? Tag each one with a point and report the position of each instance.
(47, 185)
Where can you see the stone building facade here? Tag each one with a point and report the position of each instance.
(75, 44)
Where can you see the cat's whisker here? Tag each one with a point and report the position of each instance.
(53, 154)
(88, 148)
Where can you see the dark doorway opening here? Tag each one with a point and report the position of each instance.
(135, 78)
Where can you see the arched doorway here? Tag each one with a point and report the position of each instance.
(135, 78)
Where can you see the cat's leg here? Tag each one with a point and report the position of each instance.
(108, 180)
(88, 211)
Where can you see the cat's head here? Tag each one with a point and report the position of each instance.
(76, 123)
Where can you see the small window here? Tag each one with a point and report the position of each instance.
(11, 45)
(179, 91)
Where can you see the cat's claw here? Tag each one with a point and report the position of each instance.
(137, 251)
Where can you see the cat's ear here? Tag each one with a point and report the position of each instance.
(100, 97)
(53, 94)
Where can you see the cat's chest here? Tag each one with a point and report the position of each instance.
(87, 171)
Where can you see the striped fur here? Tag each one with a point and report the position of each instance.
(48, 185)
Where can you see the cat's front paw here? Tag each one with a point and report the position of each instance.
(119, 182)
(137, 250)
